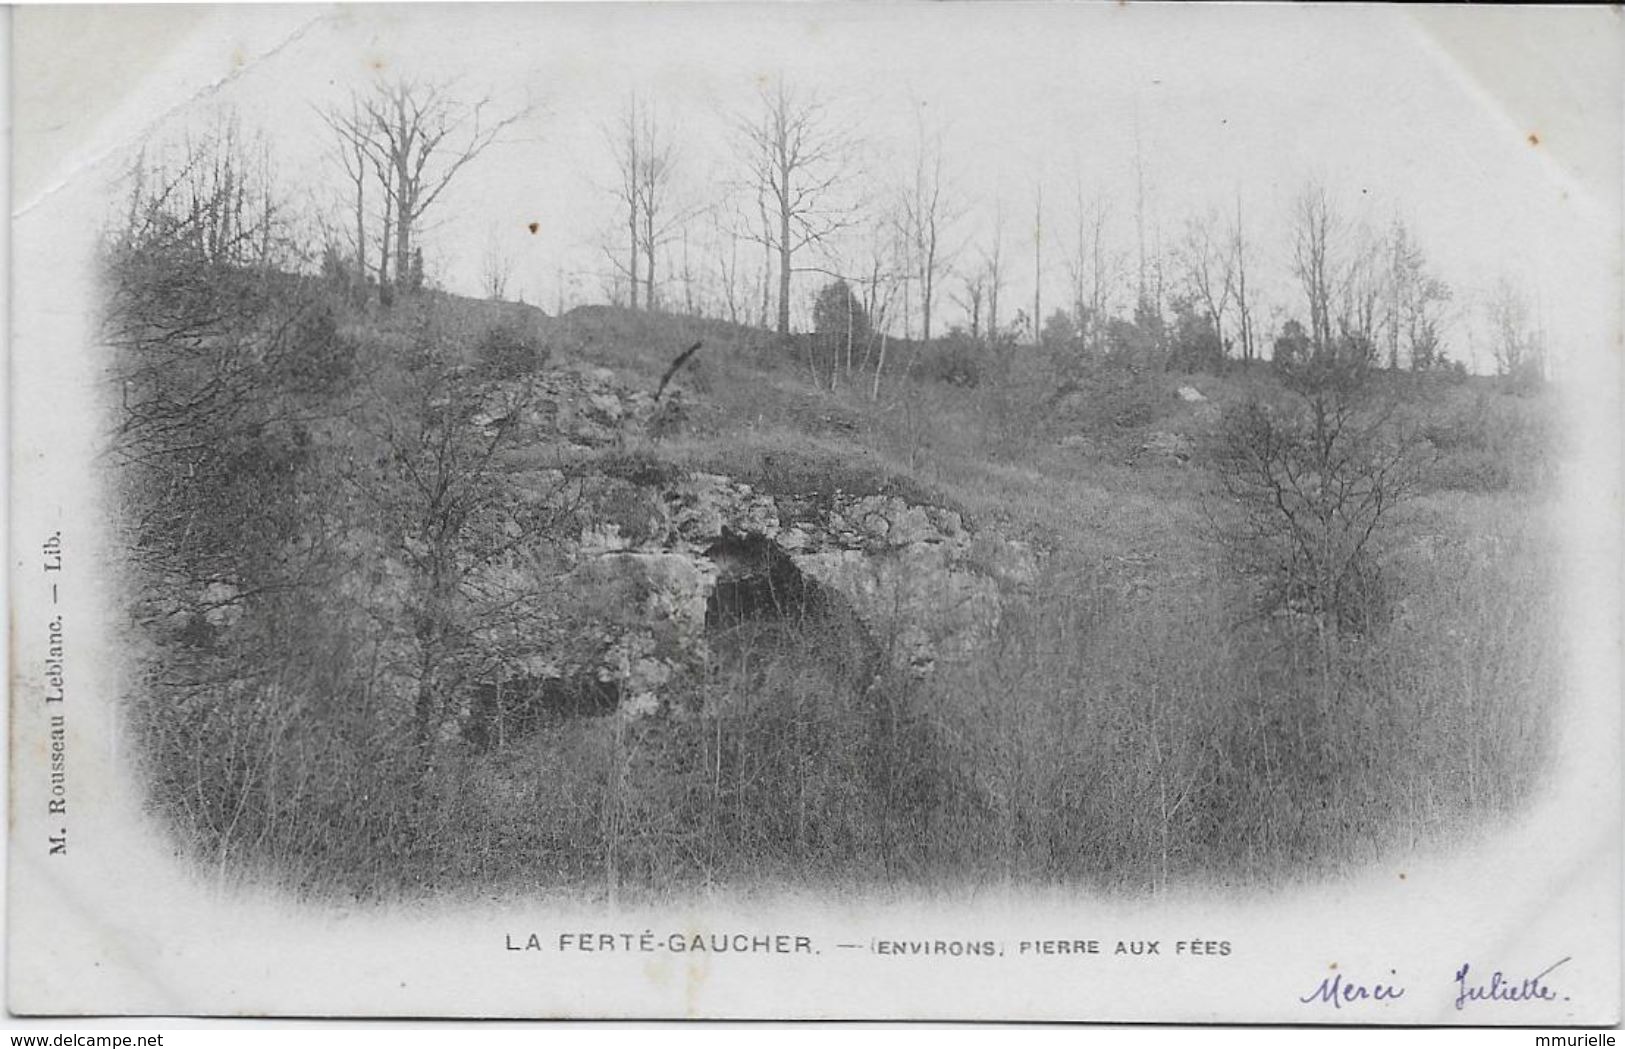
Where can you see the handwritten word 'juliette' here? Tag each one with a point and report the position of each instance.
(1502, 988)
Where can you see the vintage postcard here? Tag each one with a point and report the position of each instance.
(1008, 512)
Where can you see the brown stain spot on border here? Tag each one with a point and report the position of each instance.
(534, 226)
(696, 971)
(1534, 139)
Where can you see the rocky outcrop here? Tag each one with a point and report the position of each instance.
(922, 585)
(668, 565)
(581, 406)
(885, 582)
(920, 582)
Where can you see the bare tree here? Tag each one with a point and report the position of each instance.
(689, 277)
(1415, 299)
(1399, 254)
(386, 225)
(1311, 484)
(216, 196)
(1159, 269)
(797, 160)
(1205, 272)
(1514, 339)
(495, 267)
(1144, 286)
(457, 524)
(725, 238)
(765, 238)
(645, 158)
(1237, 263)
(625, 141)
(200, 338)
(970, 298)
(993, 266)
(880, 321)
(1341, 269)
(1315, 227)
(887, 273)
(1362, 283)
(662, 221)
(1077, 266)
(352, 149)
(419, 138)
(929, 212)
(1038, 266)
(1095, 270)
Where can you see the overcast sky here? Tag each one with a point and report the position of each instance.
(1430, 117)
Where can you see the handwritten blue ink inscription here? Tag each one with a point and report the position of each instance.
(1338, 992)
(1501, 988)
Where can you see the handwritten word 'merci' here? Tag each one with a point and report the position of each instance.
(1501, 988)
(1338, 992)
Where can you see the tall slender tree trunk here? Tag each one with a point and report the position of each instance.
(880, 365)
(403, 225)
(361, 224)
(767, 281)
(926, 288)
(1038, 268)
(632, 198)
(632, 265)
(784, 259)
(849, 325)
(1244, 313)
(385, 295)
(688, 279)
(993, 308)
(908, 308)
(1393, 310)
(649, 269)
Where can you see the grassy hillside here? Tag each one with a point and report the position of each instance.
(1137, 718)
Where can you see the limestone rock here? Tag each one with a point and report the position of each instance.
(635, 615)
(583, 407)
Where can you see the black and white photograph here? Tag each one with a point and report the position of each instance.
(1001, 512)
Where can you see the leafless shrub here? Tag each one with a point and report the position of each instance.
(1310, 481)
